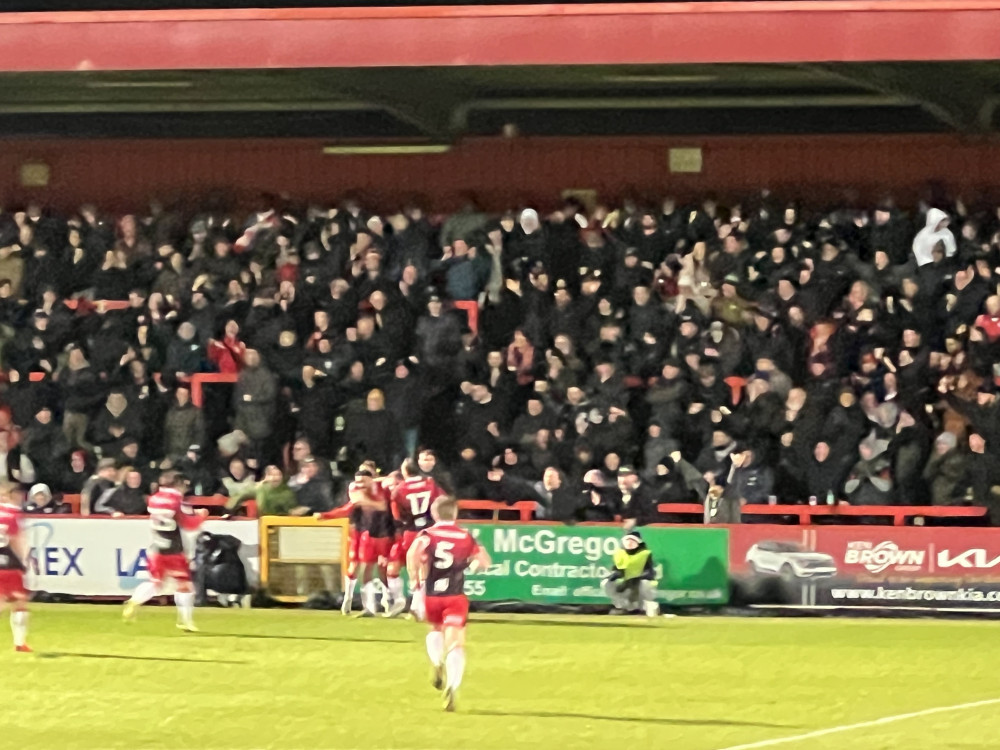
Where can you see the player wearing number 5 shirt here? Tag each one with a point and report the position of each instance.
(436, 562)
(168, 565)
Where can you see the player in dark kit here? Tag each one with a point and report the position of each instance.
(13, 554)
(169, 514)
(411, 508)
(436, 563)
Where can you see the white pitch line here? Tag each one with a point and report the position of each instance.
(863, 725)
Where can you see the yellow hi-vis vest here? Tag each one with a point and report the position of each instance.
(631, 565)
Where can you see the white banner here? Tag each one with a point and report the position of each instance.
(107, 557)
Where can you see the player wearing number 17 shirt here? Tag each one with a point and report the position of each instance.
(13, 555)
(437, 562)
(168, 565)
(411, 509)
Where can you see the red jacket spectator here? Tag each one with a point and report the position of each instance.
(228, 354)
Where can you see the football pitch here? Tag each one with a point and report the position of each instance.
(306, 680)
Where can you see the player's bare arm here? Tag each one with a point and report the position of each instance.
(416, 561)
(481, 560)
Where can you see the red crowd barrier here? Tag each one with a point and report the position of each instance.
(524, 510)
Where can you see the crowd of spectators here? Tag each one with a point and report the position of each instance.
(621, 358)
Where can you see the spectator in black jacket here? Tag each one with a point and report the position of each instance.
(373, 433)
(75, 473)
(312, 493)
(116, 421)
(128, 498)
(599, 501)
(638, 501)
(100, 482)
(82, 392)
(46, 445)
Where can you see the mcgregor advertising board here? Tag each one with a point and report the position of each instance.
(107, 557)
(871, 566)
(566, 564)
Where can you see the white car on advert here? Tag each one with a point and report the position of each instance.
(790, 561)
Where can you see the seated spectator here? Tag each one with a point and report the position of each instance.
(238, 479)
(127, 498)
(273, 495)
(103, 479)
(41, 501)
(312, 493)
(75, 475)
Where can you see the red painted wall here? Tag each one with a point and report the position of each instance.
(120, 175)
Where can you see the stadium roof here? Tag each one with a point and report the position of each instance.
(440, 73)
(445, 103)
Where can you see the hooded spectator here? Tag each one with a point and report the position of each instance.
(936, 230)
(40, 501)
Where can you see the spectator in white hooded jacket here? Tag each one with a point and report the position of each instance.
(935, 231)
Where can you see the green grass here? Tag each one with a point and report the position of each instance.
(302, 680)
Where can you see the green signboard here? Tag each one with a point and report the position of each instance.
(566, 564)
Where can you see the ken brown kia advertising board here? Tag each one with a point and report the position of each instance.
(871, 566)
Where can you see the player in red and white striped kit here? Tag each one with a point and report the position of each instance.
(411, 508)
(13, 555)
(436, 563)
(169, 570)
(370, 539)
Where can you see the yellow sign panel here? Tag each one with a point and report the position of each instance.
(34, 174)
(685, 160)
(300, 557)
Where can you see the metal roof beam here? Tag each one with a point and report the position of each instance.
(958, 105)
(460, 114)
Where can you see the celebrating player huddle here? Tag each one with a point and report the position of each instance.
(386, 514)
(406, 518)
